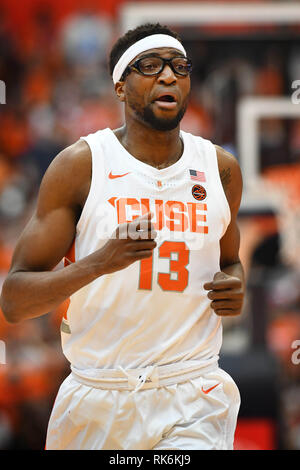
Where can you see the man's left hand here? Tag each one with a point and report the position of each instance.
(226, 293)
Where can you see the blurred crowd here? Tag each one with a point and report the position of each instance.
(57, 89)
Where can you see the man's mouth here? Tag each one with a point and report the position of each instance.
(167, 98)
(166, 101)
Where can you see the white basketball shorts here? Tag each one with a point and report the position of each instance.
(199, 413)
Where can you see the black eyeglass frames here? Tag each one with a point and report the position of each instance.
(153, 65)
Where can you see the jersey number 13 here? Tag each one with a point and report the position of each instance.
(177, 268)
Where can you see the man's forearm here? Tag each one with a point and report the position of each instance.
(31, 294)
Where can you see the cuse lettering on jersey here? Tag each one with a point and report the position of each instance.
(177, 216)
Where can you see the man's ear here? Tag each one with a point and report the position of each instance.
(119, 89)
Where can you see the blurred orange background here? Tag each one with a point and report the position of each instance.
(53, 61)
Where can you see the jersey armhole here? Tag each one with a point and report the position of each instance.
(222, 195)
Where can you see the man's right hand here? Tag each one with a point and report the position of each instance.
(130, 242)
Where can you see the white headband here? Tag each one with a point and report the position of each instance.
(149, 42)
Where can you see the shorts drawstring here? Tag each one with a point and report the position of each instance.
(138, 382)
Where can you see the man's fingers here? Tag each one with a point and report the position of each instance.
(223, 284)
(141, 254)
(143, 221)
(139, 245)
(226, 304)
(217, 280)
(208, 286)
(142, 227)
(220, 275)
(225, 294)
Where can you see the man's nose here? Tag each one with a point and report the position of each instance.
(167, 75)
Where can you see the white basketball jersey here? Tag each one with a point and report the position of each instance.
(155, 311)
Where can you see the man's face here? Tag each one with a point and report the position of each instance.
(159, 101)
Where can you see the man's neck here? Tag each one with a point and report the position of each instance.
(159, 149)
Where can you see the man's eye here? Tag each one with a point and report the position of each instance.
(180, 64)
(148, 64)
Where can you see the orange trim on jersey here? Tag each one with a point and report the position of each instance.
(64, 308)
(68, 259)
(112, 201)
(70, 255)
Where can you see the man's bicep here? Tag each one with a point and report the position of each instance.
(50, 232)
(44, 241)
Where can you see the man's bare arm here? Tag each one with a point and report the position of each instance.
(228, 286)
(32, 288)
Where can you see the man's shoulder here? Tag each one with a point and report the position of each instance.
(68, 176)
(77, 153)
(73, 162)
(225, 157)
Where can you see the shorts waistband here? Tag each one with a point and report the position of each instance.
(143, 378)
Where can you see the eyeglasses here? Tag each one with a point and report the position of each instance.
(153, 65)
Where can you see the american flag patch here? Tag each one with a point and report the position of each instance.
(197, 175)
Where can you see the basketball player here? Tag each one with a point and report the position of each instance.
(145, 217)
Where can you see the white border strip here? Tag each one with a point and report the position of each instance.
(192, 13)
(249, 111)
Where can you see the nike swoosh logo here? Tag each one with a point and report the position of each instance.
(209, 389)
(111, 176)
